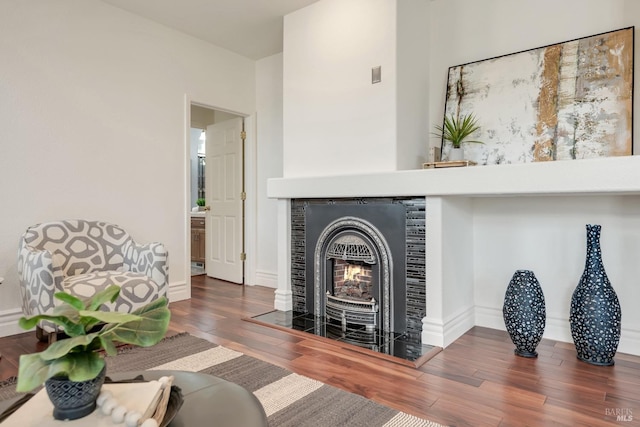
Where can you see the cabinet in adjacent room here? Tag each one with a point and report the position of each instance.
(198, 239)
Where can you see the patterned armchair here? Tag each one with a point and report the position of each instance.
(82, 258)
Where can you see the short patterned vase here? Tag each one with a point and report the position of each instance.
(595, 316)
(72, 400)
(524, 312)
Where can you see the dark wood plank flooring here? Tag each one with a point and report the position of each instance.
(476, 381)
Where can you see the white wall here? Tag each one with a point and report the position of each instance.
(547, 235)
(335, 120)
(92, 124)
(202, 117)
(449, 273)
(269, 165)
(412, 85)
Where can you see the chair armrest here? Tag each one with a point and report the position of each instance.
(149, 259)
(40, 277)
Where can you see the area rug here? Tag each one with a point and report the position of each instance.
(289, 399)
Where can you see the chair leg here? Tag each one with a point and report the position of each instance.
(44, 336)
(41, 334)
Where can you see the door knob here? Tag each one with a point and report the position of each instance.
(207, 208)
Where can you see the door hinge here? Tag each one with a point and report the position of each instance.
(243, 256)
(243, 135)
(243, 195)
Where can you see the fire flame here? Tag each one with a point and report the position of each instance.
(352, 272)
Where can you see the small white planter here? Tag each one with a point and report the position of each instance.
(455, 154)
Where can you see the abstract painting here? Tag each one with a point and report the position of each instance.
(571, 100)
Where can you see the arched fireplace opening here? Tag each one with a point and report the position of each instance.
(353, 276)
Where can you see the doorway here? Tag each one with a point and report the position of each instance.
(217, 240)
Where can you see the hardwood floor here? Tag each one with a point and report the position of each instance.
(476, 381)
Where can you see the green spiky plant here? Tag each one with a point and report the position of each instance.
(458, 129)
(79, 357)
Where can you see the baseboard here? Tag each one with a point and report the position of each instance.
(630, 342)
(441, 334)
(455, 326)
(489, 317)
(178, 291)
(9, 322)
(557, 329)
(267, 279)
(432, 332)
(283, 300)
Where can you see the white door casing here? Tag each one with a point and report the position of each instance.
(223, 190)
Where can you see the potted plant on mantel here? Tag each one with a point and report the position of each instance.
(78, 361)
(456, 130)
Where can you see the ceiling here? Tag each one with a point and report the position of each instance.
(251, 28)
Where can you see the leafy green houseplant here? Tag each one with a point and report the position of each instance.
(80, 357)
(201, 202)
(457, 129)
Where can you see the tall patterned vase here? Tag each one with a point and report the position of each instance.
(595, 310)
(524, 312)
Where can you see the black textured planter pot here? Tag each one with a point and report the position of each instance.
(72, 400)
(595, 316)
(524, 312)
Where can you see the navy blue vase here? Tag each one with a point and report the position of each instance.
(595, 310)
(524, 312)
(74, 399)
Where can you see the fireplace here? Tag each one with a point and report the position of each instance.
(358, 270)
(352, 266)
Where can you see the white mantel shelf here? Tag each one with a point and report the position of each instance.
(613, 175)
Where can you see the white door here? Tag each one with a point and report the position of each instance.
(223, 190)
